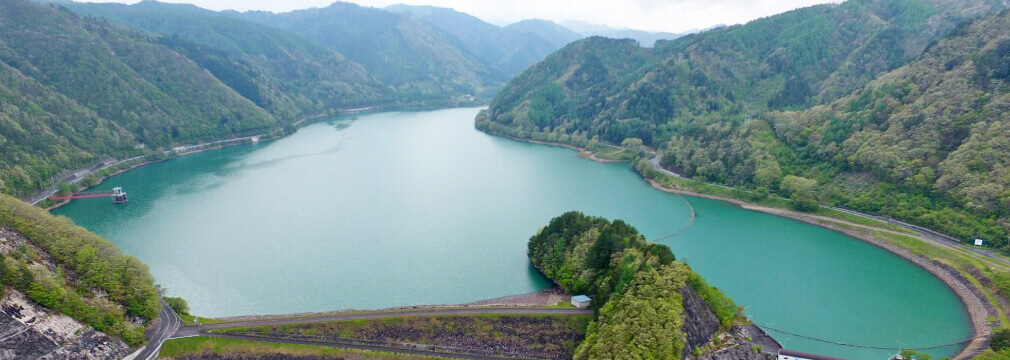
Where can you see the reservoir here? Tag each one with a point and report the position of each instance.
(407, 208)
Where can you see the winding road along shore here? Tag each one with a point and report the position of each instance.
(975, 304)
(978, 307)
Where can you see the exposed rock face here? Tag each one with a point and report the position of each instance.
(700, 324)
(735, 345)
(739, 352)
(31, 332)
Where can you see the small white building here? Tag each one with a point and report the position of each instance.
(796, 355)
(581, 301)
(979, 242)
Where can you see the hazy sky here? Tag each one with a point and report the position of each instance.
(654, 15)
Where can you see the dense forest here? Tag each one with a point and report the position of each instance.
(638, 287)
(279, 71)
(418, 51)
(66, 268)
(76, 90)
(864, 104)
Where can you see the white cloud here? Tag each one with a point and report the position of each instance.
(654, 15)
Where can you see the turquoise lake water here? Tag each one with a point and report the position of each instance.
(405, 208)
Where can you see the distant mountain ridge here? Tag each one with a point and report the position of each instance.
(505, 49)
(279, 71)
(546, 29)
(409, 56)
(645, 38)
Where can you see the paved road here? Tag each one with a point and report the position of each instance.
(168, 325)
(202, 329)
(930, 235)
(924, 233)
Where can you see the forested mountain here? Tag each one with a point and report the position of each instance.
(718, 105)
(414, 58)
(645, 38)
(76, 90)
(927, 142)
(500, 48)
(546, 29)
(279, 71)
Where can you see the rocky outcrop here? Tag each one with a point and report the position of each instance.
(739, 352)
(700, 324)
(31, 332)
(736, 344)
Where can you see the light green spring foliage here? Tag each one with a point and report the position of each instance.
(636, 286)
(98, 266)
(643, 323)
(994, 355)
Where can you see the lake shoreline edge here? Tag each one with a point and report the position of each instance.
(243, 140)
(971, 304)
(979, 344)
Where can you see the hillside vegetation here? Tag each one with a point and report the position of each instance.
(639, 288)
(414, 58)
(767, 106)
(66, 268)
(505, 49)
(277, 70)
(76, 90)
(420, 51)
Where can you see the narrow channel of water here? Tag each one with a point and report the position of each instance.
(407, 208)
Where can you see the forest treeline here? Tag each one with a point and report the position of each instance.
(638, 287)
(889, 107)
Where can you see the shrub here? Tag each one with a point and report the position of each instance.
(178, 304)
(1000, 340)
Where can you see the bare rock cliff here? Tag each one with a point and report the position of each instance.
(29, 332)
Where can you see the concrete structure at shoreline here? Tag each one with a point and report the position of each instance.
(581, 301)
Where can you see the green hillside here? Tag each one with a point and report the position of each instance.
(549, 30)
(418, 61)
(277, 70)
(717, 105)
(77, 90)
(68, 269)
(505, 49)
(924, 143)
